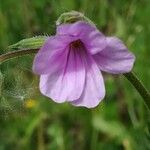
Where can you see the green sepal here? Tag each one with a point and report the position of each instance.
(29, 43)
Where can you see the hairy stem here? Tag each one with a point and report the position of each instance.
(17, 53)
(130, 76)
(139, 87)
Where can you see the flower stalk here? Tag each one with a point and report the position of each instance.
(145, 94)
(24, 47)
(135, 81)
(17, 53)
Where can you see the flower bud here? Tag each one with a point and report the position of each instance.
(72, 17)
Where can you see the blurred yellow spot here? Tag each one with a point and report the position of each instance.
(126, 144)
(30, 103)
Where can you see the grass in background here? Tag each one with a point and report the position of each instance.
(29, 120)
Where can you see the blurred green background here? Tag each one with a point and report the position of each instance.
(30, 121)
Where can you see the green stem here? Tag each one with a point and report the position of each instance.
(130, 76)
(139, 87)
(10, 55)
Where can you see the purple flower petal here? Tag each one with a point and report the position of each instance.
(115, 58)
(94, 90)
(65, 83)
(70, 63)
(75, 29)
(93, 39)
(49, 54)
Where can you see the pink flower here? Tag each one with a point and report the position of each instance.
(70, 64)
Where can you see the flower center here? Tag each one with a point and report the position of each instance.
(76, 44)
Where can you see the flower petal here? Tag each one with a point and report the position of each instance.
(75, 29)
(94, 90)
(94, 41)
(66, 83)
(49, 54)
(92, 38)
(115, 58)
